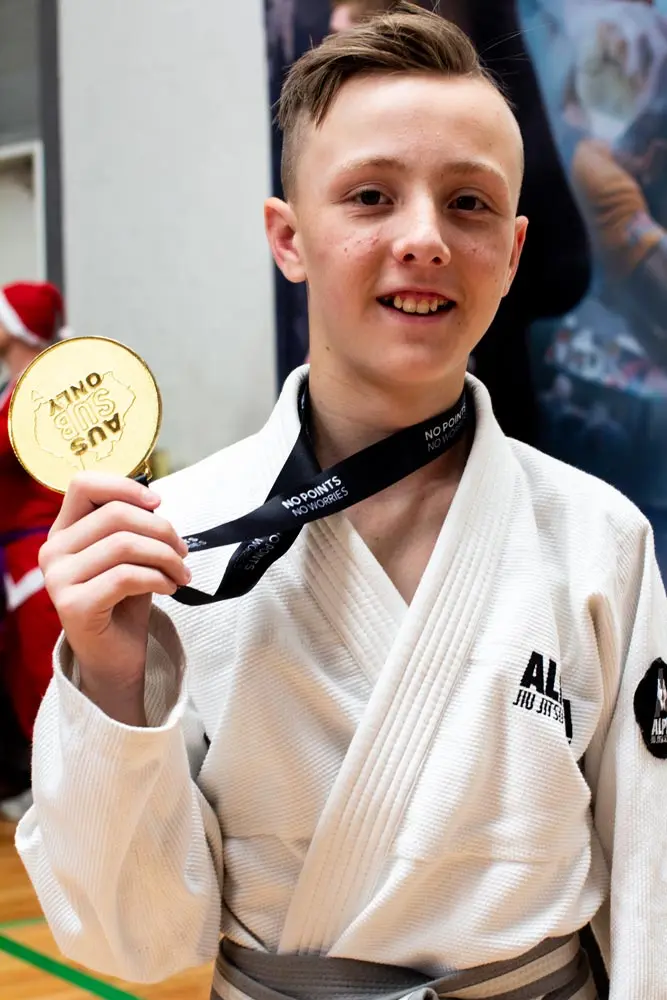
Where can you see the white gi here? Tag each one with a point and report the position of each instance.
(392, 783)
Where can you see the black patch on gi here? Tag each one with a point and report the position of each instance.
(651, 708)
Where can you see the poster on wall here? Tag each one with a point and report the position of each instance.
(596, 102)
(601, 369)
(292, 26)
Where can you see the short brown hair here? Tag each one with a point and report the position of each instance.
(407, 39)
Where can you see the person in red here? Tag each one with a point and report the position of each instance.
(30, 319)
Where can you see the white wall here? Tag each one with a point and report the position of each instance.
(165, 136)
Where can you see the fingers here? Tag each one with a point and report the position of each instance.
(115, 516)
(88, 491)
(120, 549)
(107, 545)
(96, 599)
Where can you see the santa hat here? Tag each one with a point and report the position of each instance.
(32, 311)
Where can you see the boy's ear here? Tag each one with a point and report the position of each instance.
(281, 230)
(520, 230)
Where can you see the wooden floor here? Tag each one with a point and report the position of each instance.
(26, 947)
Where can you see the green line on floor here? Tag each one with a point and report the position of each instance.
(11, 925)
(65, 972)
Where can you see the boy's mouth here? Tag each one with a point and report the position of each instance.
(417, 305)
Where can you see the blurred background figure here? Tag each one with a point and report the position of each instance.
(30, 319)
(342, 15)
(346, 13)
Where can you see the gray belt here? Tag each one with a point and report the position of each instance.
(555, 970)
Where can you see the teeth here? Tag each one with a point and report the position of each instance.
(412, 305)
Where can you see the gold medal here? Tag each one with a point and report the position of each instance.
(83, 405)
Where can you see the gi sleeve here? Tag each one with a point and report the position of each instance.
(627, 770)
(123, 850)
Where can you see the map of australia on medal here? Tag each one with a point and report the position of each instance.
(83, 426)
(84, 405)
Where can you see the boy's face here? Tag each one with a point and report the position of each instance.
(405, 202)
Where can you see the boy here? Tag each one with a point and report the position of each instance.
(378, 755)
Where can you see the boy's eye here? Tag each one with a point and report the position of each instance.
(371, 198)
(468, 203)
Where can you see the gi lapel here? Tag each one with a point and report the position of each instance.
(363, 812)
(352, 589)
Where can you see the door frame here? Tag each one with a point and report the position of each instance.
(34, 151)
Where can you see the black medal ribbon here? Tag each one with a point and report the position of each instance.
(304, 492)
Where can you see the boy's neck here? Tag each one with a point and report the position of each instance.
(348, 415)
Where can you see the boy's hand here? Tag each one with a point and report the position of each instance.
(106, 554)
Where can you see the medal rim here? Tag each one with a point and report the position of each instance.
(60, 343)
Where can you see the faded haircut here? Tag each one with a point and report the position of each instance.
(405, 39)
